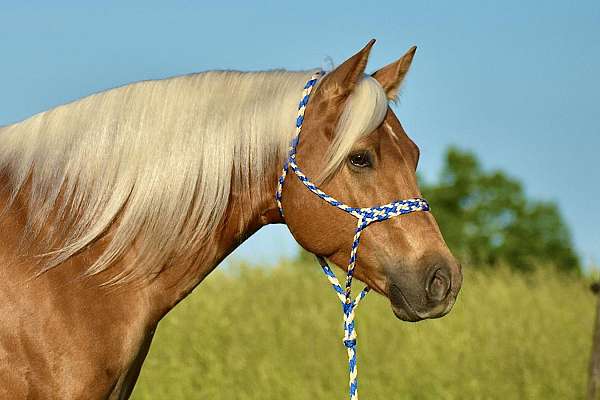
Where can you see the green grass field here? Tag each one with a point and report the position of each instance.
(254, 333)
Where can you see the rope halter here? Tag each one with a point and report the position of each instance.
(364, 216)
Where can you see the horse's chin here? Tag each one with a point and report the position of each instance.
(405, 313)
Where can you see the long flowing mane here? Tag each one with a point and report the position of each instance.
(157, 161)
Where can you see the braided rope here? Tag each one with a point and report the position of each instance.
(365, 217)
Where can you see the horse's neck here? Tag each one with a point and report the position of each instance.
(249, 206)
(246, 213)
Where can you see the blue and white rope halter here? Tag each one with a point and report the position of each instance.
(365, 217)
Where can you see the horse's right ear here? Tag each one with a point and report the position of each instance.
(338, 84)
(391, 76)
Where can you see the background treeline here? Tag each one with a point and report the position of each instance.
(487, 219)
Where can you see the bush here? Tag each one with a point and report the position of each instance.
(487, 219)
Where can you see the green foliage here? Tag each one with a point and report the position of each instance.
(276, 334)
(487, 219)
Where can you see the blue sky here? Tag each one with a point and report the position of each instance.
(515, 82)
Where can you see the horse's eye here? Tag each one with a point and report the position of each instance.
(360, 159)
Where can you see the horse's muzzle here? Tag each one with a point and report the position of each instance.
(426, 291)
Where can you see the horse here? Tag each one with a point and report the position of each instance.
(114, 207)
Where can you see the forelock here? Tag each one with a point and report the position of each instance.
(364, 111)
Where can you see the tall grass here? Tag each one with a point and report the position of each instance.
(276, 334)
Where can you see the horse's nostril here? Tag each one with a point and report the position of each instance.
(438, 285)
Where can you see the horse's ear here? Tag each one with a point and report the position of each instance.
(338, 84)
(391, 76)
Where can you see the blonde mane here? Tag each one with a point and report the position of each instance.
(161, 158)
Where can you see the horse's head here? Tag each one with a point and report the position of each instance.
(353, 145)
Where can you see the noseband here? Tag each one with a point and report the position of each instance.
(365, 217)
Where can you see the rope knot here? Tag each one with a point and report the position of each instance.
(347, 307)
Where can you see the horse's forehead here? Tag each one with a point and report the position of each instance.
(396, 137)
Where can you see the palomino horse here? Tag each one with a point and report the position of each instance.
(114, 207)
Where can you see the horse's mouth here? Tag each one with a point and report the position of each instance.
(401, 307)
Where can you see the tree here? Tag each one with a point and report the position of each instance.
(487, 219)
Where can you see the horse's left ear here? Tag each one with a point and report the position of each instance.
(391, 76)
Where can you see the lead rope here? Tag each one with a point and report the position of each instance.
(365, 217)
